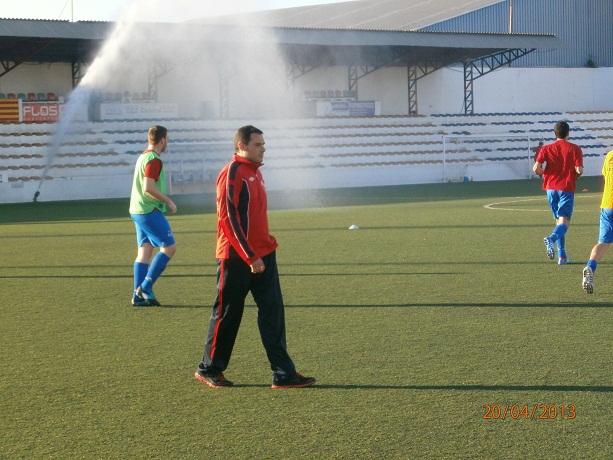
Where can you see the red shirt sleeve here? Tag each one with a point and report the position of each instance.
(579, 156)
(153, 169)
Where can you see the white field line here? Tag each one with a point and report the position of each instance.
(501, 206)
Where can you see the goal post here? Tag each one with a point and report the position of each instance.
(190, 163)
(495, 156)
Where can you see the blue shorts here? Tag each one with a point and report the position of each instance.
(561, 203)
(153, 228)
(606, 226)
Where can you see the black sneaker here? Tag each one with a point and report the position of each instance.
(148, 296)
(139, 301)
(214, 381)
(295, 381)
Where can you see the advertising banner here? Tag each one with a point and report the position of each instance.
(362, 108)
(40, 111)
(131, 111)
(348, 108)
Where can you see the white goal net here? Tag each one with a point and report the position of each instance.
(488, 156)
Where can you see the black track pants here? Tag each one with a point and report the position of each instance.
(234, 282)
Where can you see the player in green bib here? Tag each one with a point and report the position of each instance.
(148, 203)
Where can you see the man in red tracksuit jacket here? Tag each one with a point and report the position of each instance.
(246, 262)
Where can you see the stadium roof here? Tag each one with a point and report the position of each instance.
(370, 47)
(50, 41)
(62, 41)
(359, 14)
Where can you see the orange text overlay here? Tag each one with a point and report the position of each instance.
(529, 412)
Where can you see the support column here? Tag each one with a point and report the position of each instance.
(224, 95)
(76, 73)
(152, 82)
(290, 75)
(468, 89)
(412, 81)
(353, 78)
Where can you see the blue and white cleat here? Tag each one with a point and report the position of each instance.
(563, 261)
(548, 246)
(588, 280)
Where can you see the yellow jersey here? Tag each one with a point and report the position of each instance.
(607, 172)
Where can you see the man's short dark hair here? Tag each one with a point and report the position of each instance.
(244, 135)
(156, 134)
(561, 129)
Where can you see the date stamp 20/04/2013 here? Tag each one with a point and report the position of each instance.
(529, 412)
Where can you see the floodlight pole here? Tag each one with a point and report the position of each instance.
(71, 10)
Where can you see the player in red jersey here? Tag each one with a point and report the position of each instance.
(561, 164)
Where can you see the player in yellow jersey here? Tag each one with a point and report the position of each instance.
(606, 225)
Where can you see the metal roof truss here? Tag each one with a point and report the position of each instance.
(483, 66)
(23, 51)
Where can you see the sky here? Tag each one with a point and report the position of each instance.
(108, 10)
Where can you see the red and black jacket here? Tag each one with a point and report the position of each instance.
(242, 220)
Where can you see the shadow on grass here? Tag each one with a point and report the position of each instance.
(422, 305)
(100, 235)
(582, 388)
(97, 276)
(457, 387)
(166, 306)
(212, 274)
(462, 305)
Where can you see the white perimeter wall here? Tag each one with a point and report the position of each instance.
(504, 90)
(34, 77)
(518, 90)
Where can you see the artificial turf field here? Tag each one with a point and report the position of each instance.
(437, 313)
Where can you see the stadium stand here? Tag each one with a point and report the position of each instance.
(379, 148)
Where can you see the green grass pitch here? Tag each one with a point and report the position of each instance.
(439, 311)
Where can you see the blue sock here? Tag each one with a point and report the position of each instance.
(558, 232)
(140, 271)
(561, 250)
(592, 264)
(158, 265)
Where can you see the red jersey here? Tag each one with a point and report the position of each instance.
(560, 158)
(242, 219)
